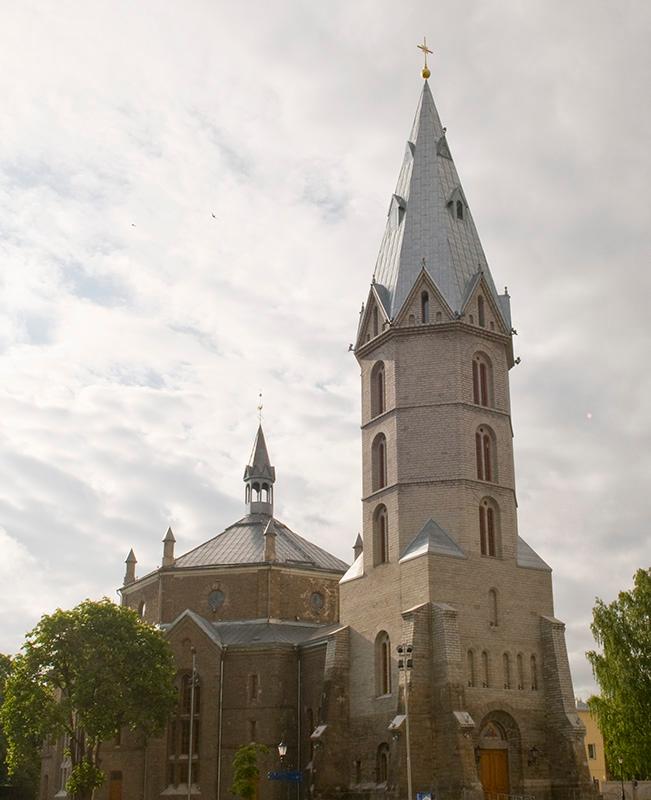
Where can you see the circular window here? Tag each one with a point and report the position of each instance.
(317, 601)
(215, 599)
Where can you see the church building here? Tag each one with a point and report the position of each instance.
(434, 663)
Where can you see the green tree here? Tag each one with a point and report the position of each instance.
(246, 771)
(622, 669)
(85, 674)
(25, 781)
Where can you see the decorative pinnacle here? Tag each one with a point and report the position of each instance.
(425, 72)
(260, 407)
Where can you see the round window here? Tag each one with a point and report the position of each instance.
(215, 599)
(317, 601)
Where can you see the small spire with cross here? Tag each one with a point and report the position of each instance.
(425, 49)
(259, 409)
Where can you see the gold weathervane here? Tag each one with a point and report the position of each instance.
(425, 73)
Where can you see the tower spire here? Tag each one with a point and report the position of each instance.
(259, 478)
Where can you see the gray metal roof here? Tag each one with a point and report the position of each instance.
(432, 539)
(527, 557)
(243, 543)
(258, 631)
(421, 225)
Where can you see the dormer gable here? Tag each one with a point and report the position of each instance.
(480, 308)
(457, 204)
(424, 305)
(374, 319)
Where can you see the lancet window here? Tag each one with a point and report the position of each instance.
(381, 535)
(482, 380)
(424, 307)
(485, 454)
(488, 528)
(378, 400)
(382, 664)
(379, 462)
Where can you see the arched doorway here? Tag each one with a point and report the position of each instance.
(493, 761)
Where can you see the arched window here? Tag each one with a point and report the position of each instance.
(424, 307)
(178, 741)
(264, 494)
(382, 770)
(377, 389)
(485, 670)
(506, 660)
(247, 493)
(534, 674)
(488, 528)
(459, 209)
(471, 668)
(520, 671)
(380, 535)
(485, 454)
(492, 608)
(142, 608)
(382, 664)
(379, 462)
(480, 312)
(482, 380)
(255, 489)
(376, 321)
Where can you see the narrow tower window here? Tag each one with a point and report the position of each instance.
(471, 668)
(484, 453)
(480, 312)
(459, 209)
(383, 763)
(376, 323)
(534, 674)
(377, 389)
(520, 671)
(485, 671)
(381, 537)
(487, 529)
(492, 607)
(382, 664)
(506, 659)
(424, 307)
(481, 380)
(379, 462)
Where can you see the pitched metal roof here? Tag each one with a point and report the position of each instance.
(432, 539)
(527, 557)
(259, 465)
(422, 224)
(258, 631)
(243, 543)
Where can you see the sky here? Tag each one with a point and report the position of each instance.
(192, 197)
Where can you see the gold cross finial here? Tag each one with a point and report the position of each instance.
(425, 73)
(260, 408)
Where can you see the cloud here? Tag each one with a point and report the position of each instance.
(137, 329)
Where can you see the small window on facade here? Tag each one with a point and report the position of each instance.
(142, 608)
(253, 737)
(216, 599)
(481, 380)
(534, 674)
(492, 608)
(506, 660)
(412, 319)
(484, 453)
(179, 735)
(471, 668)
(485, 670)
(379, 462)
(383, 763)
(378, 399)
(253, 687)
(317, 601)
(439, 316)
(487, 532)
(592, 751)
(520, 671)
(424, 307)
(480, 311)
(382, 664)
(459, 209)
(381, 535)
(376, 322)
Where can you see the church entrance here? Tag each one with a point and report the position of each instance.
(115, 786)
(494, 773)
(493, 761)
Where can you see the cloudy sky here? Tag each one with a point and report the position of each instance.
(137, 329)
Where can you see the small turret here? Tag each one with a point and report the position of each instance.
(130, 574)
(168, 549)
(259, 477)
(358, 547)
(269, 541)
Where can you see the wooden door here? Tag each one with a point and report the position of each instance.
(494, 773)
(115, 786)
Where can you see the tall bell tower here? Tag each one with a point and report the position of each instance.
(443, 568)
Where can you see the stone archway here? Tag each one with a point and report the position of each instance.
(499, 761)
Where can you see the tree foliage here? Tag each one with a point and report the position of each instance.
(246, 771)
(24, 782)
(84, 674)
(623, 671)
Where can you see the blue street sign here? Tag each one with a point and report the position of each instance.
(295, 777)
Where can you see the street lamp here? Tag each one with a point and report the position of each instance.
(282, 750)
(621, 776)
(405, 666)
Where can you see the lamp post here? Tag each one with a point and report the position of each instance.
(405, 666)
(282, 752)
(621, 776)
(191, 737)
